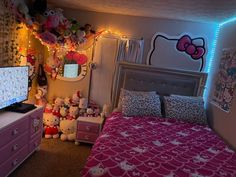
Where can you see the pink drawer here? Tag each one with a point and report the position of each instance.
(13, 162)
(12, 148)
(35, 143)
(14, 131)
(88, 127)
(89, 137)
(36, 123)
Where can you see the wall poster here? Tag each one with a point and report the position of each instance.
(225, 80)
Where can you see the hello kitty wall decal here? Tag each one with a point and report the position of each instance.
(185, 49)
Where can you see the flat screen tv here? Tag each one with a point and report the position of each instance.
(13, 85)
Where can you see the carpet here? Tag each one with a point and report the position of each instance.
(55, 159)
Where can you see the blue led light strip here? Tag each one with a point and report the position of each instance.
(211, 57)
(228, 21)
(210, 63)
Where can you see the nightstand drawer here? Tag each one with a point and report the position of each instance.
(90, 137)
(13, 147)
(13, 131)
(13, 162)
(88, 127)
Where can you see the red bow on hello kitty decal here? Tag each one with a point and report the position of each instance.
(186, 44)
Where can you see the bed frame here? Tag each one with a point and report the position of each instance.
(164, 81)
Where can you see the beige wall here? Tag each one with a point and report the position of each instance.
(143, 26)
(136, 27)
(224, 123)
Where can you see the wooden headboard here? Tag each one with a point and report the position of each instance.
(164, 81)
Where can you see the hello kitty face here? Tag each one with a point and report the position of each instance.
(73, 110)
(97, 170)
(124, 165)
(227, 95)
(50, 120)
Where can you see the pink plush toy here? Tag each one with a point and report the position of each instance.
(53, 19)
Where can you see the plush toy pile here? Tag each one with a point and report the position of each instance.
(61, 115)
(50, 26)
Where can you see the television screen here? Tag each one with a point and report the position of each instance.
(13, 85)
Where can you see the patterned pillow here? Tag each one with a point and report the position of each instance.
(186, 108)
(141, 105)
(124, 92)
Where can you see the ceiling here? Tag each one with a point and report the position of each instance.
(194, 10)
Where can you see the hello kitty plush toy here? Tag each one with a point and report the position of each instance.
(89, 112)
(68, 129)
(51, 128)
(73, 113)
(75, 98)
(56, 107)
(67, 102)
(63, 112)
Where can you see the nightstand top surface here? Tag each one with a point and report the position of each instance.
(97, 120)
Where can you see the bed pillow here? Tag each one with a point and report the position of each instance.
(186, 108)
(124, 92)
(141, 105)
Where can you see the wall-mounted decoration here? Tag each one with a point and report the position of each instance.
(182, 52)
(225, 81)
(70, 66)
(8, 35)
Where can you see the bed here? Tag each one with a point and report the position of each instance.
(154, 146)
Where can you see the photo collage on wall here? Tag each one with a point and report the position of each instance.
(226, 80)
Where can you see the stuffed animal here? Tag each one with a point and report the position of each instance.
(68, 128)
(75, 98)
(41, 95)
(58, 102)
(83, 103)
(73, 113)
(48, 108)
(53, 19)
(41, 88)
(89, 112)
(51, 128)
(63, 112)
(67, 102)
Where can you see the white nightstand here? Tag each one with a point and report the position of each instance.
(88, 129)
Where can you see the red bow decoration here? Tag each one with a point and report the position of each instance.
(185, 44)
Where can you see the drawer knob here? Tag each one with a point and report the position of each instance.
(15, 147)
(15, 162)
(15, 132)
(86, 137)
(88, 128)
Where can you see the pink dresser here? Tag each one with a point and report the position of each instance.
(88, 129)
(20, 136)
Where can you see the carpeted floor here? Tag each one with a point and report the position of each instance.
(55, 159)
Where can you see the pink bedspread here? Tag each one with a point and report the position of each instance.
(154, 147)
